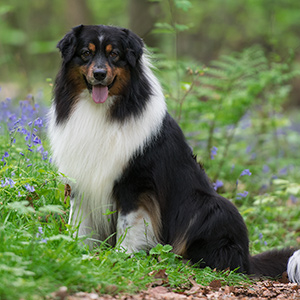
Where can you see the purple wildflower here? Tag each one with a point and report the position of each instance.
(242, 195)
(8, 181)
(248, 149)
(266, 168)
(213, 152)
(29, 188)
(246, 172)
(283, 171)
(232, 168)
(36, 140)
(38, 122)
(217, 184)
(11, 182)
(293, 199)
(45, 155)
(40, 230)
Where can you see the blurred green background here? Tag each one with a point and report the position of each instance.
(197, 30)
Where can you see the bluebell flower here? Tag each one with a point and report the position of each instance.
(248, 149)
(6, 182)
(40, 231)
(38, 122)
(283, 171)
(242, 195)
(29, 188)
(40, 149)
(36, 140)
(232, 168)
(266, 168)
(260, 236)
(11, 182)
(217, 184)
(294, 199)
(246, 172)
(45, 155)
(213, 152)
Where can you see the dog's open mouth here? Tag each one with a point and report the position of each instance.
(99, 92)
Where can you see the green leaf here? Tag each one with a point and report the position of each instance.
(22, 207)
(280, 182)
(181, 27)
(51, 208)
(167, 248)
(109, 212)
(156, 250)
(60, 237)
(185, 5)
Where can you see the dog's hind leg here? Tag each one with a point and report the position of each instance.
(135, 231)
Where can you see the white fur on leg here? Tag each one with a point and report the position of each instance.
(82, 221)
(135, 231)
(293, 267)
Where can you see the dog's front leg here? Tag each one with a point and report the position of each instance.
(81, 221)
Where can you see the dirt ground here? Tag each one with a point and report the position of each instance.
(260, 290)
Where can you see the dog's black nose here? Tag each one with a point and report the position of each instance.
(100, 74)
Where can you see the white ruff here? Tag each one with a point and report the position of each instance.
(94, 151)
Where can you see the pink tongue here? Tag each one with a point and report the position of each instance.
(99, 93)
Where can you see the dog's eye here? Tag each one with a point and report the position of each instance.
(85, 54)
(113, 54)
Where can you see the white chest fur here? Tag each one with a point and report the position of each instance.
(94, 151)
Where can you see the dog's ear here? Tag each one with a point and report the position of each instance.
(67, 45)
(135, 47)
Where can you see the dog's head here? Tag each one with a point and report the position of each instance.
(100, 58)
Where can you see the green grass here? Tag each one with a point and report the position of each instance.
(38, 252)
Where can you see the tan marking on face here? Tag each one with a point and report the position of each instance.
(87, 71)
(75, 76)
(122, 78)
(108, 48)
(92, 47)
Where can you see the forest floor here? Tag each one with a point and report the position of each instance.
(259, 290)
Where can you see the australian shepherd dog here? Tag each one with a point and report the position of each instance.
(135, 180)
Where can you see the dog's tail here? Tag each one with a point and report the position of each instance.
(275, 262)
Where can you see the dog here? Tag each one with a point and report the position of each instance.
(135, 175)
